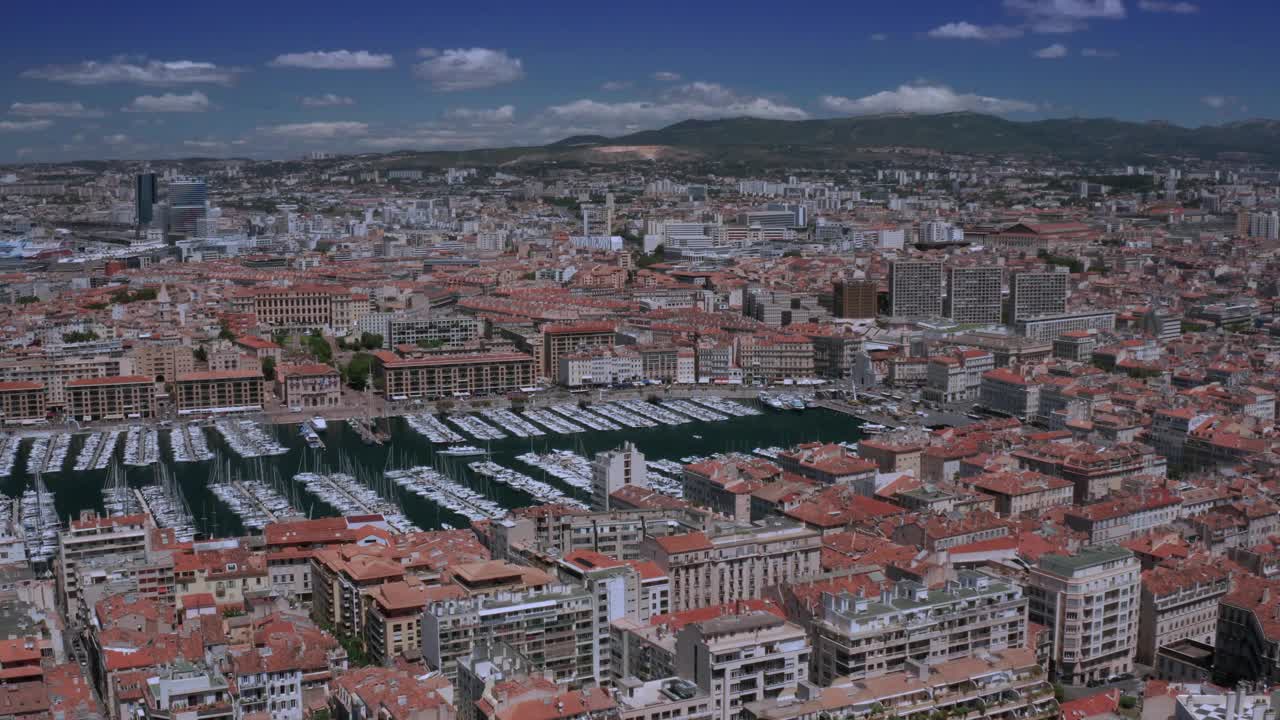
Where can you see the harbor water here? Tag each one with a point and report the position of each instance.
(344, 450)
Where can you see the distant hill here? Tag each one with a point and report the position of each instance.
(748, 141)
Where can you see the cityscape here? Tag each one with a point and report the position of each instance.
(695, 402)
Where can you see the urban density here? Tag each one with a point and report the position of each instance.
(734, 419)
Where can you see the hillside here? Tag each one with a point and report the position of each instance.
(840, 140)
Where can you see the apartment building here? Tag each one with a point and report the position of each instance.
(858, 637)
(1048, 327)
(442, 376)
(856, 299)
(559, 340)
(309, 387)
(1009, 393)
(342, 580)
(668, 363)
(219, 392)
(830, 464)
(22, 402)
(733, 562)
(974, 295)
(163, 360)
(915, 289)
(1001, 685)
(618, 533)
(53, 369)
(111, 398)
(1179, 603)
(1027, 491)
(1096, 473)
(1118, 519)
(612, 470)
(619, 593)
(393, 620)
(1036, 294)
(553, 624)
(774, 358)
(742, 659)
(444, 330)
(1247, 640)
(892, 456)
(603, 365)
(185, 690)
(302, 307)
(91, 537)
(1089, 604)
(956, 378)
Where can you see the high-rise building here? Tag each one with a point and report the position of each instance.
(615, 469)
(855, 298)
(973, 295)
(1264, 225)
(1089, 602)
(915, 288)
(145, 196)
(1033, 294)
(188, 204)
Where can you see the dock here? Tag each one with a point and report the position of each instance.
(368, 432)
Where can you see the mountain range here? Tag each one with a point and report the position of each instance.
(835, 141)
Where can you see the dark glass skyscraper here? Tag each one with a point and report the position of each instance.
(188, 202)
(145, 191)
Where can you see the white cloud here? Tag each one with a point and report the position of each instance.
(117, 139)
(317, 130)
(54, 109)
(879, 37)
(327, 100)
(924, 99)
(504, 114)
(24, 125)
(196, 101)
(334, 60)
(205, 144)
(1064, 16)
(963, 30)
(615, 85)
(1053, 52)
(468, 69)
(1160, 6)
(137, 71)
(699, 101)
(431, 138)
(666, 76)
(1097, 53)
(1216, 102)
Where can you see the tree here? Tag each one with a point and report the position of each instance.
(370, 341)
(269, 368)
(319, 349)
(1059, 692)
(201, 354)
(358, 370)
(1127, 702)
(225, 333)
(79, 336)
(28, 299)
(427, 344)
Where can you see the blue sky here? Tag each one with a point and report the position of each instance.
(276, 78)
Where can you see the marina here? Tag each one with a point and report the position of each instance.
(8, 454)
(477, 428)
(188, 444)
(249, 439)
(433, 485)
(695, 411)
(432, 428)
(565, 465)
(141, 446)
(553, 422)
(90, 489)
(585, 417)
(540, 491)
(622, 416)
(513, 423)
(118, 498)
(344, 493)
(164, 499)
(39, 522)
(97, 451)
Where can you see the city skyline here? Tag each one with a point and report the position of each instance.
(122, 83)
